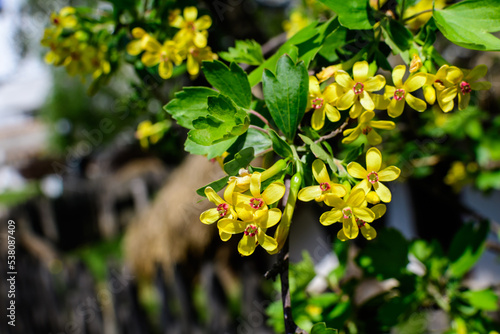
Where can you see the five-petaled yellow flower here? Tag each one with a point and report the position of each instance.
(323, 103)
(165, 55)
(373, 176)
(66, 19)
(367, 126)
(347, 211)
(400, 92)
(467, 82)
(138, 44)
(357, 92)
(256, 201)
(366, 229)
(326, 188)
(223, 210)
(445, 83)
(192, 28)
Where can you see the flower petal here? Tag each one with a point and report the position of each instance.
(165, 69)
(384, 125)
(356, 198)
(429, 94)
(193, 66)
(332, 113)
(247, 245)
(335, 201)
(356, 110)
(368, 232)
(346, 100)
(232, 226)
(375, 83)
(330, 217)
(341, 235)
(373, 138)
(320, 172)
(203, 22)
(134, 47)
(350, 228)
(366, 101)
(366, 116)
(267, 242)
(255, 184)
(309, 193)
(379, 210)
(415, 103)
(152, 45)
(397, 75)
(210, 216)
(314, 86)
(344, 79)
(380, 101)
(481, 85)
(150, 59)
(364, 214)
(360, 71)
(318, 119)
(200, 39)
(336, 189)
(364, 185)
(356, 170)
(395, 108)
(373, 160)
(389, 174)
(273, 193)
(372, 198)
(224, 236)
(213, 196)
(190, 13)
(332, 93)
(415, 82)
(383, 192)
(353, 134)
(454, 75)
(463, 100)
(228, 192)
(273, 218)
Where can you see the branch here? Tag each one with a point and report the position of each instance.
(262, 118)
(335, 132)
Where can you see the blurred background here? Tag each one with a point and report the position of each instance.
(108, 238)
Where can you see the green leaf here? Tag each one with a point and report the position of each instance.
(224, 121)
(189, 104)
(466, 248)
(247, 52)
(280, 146)
(306, 139)
(386, 256)
(485, 300)
(470, 23)
(241, 160)
(252, 138)
(332, 43)
(231, 81)
(397, 36)
(354, 153)
(212, 151)
(286, 94)
(216, 186)
(320, 328)
(353, 14)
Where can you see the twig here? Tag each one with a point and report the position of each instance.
(251, 126)
(335, 132)
(283, 257)
(262, 118)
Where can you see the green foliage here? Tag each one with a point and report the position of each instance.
(470, 23)
(355, 14)
(286, 94)
(241, 160)
(246, 52)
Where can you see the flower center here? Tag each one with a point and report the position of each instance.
(256, 203)
(347, 212)
(358, 88)
(360, 222)
(251, 230)
(372, 177)
(324, 186)
(164, 56)
(222, 209)
(317, 103)
(366, 130)
(399, 94)
(465, 87)
(56, 21)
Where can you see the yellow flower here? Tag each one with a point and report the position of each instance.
(468, 82)
(137, 45)
(422, 6)
(253, 227)
(191, 28)
(57, 53)
(326, 188)
(366, 229)
(64, 20)
(401, 91)
(445, 83)
(256, 202)
(99, 61)
(367, 127)
(154, 132)
(323, 103)
(328, 72)
(297, 21)
(196, 55)
(372, 176)
(166, 55)
(357, 92)
(223, 210)
(347, 211)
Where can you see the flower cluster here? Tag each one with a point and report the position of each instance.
(246, 208)
(71, 46)
(350, 206)
(189, 43)
(358, 94)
